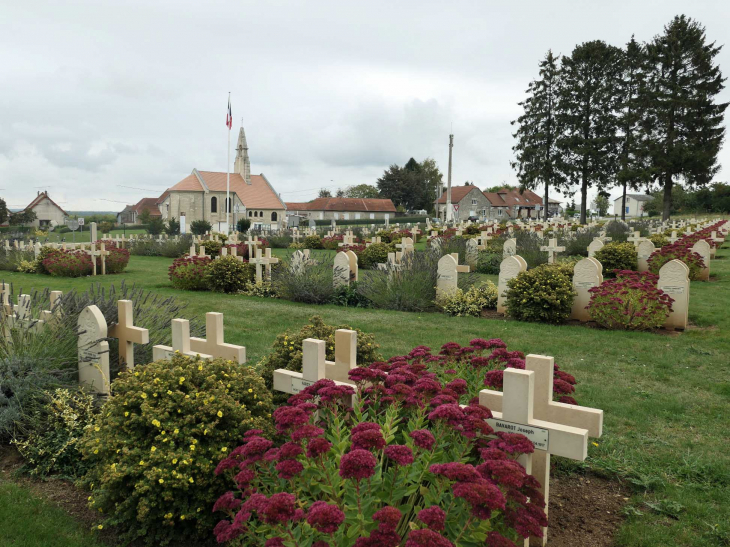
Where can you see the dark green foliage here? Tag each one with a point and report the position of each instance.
(228, 274)
(488, 263)
(349, 297)
(375, 254)
(312, 284)
(279, 242)
(683, 120)
(313, 242)
(170, 248)
(200, 227)
(543, 294)
(155, 226)
(22, 217)
(618, 231)
(537, 157)
(617, 256)
(412, 186)
(577, 243)
(588, 98)
(173, 227)
(243, 224)
(3, 211)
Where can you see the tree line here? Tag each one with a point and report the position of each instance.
(636, 117)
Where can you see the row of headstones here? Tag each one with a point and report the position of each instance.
(588, 273)
(524, 406)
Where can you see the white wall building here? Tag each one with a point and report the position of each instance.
(634, 204)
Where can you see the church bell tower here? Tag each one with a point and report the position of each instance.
(242, 166)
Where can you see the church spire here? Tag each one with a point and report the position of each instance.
(242, 166)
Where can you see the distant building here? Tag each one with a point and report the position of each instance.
(48, 213)
(131, 213)
(468, 201)
(343, 209)
(634, 204)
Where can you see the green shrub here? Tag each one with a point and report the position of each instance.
(659, 240)
(349, 297)
(173, 227)
(200, 227)
(153, 451)
(311, 284)
(488, 263)
(280, 242)
(156, 226)
(189, 273)
(469, 302)
(227, 274)
(26, 266)
(543, 294)
(212, 247)
(51, 447)
(263, 289)
(170, 248)
(617, 256)
(375, 254)
(242, 225)
(286, 351)
(617, 230)
(313, 242)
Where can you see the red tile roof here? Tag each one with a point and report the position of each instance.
(369, 205)
(40, 197)
(457, 193)
(147, 203)
(257, 195)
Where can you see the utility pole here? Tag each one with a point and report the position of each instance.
(449, 211)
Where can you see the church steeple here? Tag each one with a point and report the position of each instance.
(242, 166)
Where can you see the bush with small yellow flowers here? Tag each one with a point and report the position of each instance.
(154, 448)
(286, 352)
(544, 294)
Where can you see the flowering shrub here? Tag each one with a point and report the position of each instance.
(51, 447)
(212, 247)
(28, 266)
(542, 294)
(681, 252)
(313, 242)
(469, 302)
(188, 273)
(331, 243)
(153, 450)
(659, 240)
(357, 249)
(404, 466)
(631, 301)
(68, 264)
(375, 254)
(228, 274)
(116, 261)
(262, 290)
(286, 351)
(617, 256)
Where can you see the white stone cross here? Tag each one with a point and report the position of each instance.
(405, 246)
(127, 334)
(635, 238)
(55, 305)
(93, 351)
(415, 232)
(93, 253)
(213, 343)
(252, 245)
(552, 250)
(103, 253)
(180, 343)
(526, 406)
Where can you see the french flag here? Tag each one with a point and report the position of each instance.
(229, 116)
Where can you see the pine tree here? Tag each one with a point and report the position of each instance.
(587, 105)
(536, 155)
(683, 124)
(632, 154)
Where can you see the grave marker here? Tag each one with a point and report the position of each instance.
(509, 268)
(586, 275)
(674, 281)
(180, 343)
(552, 250)
(93, 351)
(448, 271)
(213, 343)
(644, 251)
(127, 334)
(702, 248)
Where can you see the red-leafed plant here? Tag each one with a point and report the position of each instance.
(68, 264)
(631, 301)
(189, 273)
(679, 251)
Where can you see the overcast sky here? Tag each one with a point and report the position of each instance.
(98, 96)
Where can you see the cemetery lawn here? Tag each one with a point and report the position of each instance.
(666, 398)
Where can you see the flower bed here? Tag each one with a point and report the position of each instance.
(680, 251)
(189, 273)
(68, 264)
(631, 301)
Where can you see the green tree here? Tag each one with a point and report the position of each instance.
(602, 205)
(493, 189)
(587, 106)
(434, 180)
(242, 225)
(537, 158)
(633, 169)
(200, 227)
(340, 193)
(362, 191)
(155, 226)
(684, 123)
(22, 218)
(324, 193)
(173, 227)
(144, 216)
(3, 211)
(405, 186)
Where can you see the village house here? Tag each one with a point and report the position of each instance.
(634, 204)
(202, 196)
(504, 204)
(468, 201)
(343, 209)
(48, 213)
(131, 213)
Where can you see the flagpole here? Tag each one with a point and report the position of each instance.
(228, 174)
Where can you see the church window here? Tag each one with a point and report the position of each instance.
(274, 217)
(250, 213)
(214, 204)
(228, 205)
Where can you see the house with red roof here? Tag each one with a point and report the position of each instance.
(343, 209)
(131, 213)
(202, 196)
(504, 204)
(468, 201)
(48, 213)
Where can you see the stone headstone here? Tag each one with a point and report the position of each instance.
(509, 268)
(509, 248)
(94, 236)
(644, 250)
(586, 275)
(93, 351)
(674, 281)
(353, 265)
(595, 246)
(702, 248)
(341, 270)
(472, 252)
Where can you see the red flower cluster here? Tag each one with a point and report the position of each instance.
(188, 272)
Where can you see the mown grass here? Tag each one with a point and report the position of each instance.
(666, 398)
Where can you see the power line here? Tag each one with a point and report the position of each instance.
(135, 188)
(112, 200)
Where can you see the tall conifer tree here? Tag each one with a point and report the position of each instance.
(536, 155)
(684, 123)
(587, 107)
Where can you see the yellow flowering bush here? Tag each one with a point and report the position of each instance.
(56, 427)
(469, 302)
(543, 294)
(286, 351)
(617, 256)
(153, 451)
(228, 274)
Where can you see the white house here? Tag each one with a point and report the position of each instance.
(634, 204)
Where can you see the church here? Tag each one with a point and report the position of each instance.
(202, 196)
